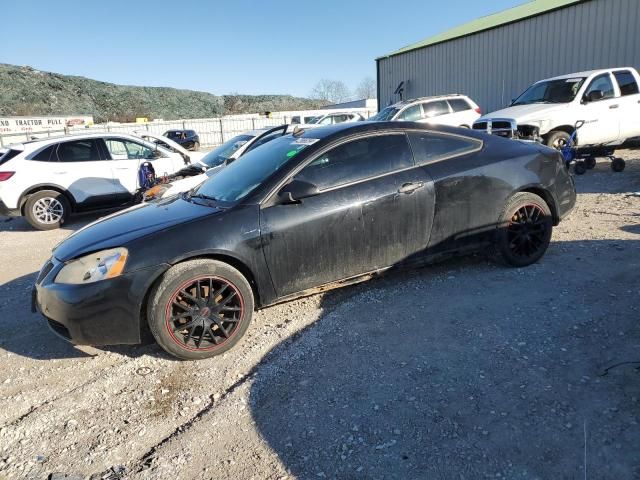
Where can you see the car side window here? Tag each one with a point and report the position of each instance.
(127, 150)
(459, 104)
(46, 155)
(603, 83)
(627, 82)
(411, 114)
(79, 151)
(325, 121)
(435, 109)
(430, 147)
(358, 160)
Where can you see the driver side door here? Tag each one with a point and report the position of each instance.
(366, 214)
(601, 117)
(126, 157)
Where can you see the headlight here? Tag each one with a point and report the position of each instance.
(93, 268)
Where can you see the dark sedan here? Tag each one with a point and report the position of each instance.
(302, 213)
(189, 139)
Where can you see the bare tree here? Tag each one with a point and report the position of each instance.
(334, 91)
(367, 88)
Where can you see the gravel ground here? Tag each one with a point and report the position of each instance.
(461, 370)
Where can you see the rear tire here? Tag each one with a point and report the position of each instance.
(47, 209)
(524, 230)
(557, 139)
(200, 309)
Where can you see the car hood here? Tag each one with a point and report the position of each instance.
(524, 113)
(119, 228)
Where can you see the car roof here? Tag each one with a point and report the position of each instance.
(586, 73)
(40, 142)
(346, 128)
(424, 99)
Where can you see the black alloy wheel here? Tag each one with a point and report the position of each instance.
(524, 230)
(527, 231)
(200, 308)
(204, 312)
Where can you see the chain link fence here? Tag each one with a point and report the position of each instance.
(212, 131)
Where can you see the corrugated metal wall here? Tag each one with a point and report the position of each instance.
(494, 66)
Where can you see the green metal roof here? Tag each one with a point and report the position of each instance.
(529, 9)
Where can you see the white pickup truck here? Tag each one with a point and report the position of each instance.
(608, 101)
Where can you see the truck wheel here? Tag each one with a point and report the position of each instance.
(46, 209)
(557, 139)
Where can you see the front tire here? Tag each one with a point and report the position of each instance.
(557, 139)
(524, 231)
(200, 309)
(47, 209)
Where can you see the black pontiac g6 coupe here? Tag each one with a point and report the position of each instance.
(302, 213)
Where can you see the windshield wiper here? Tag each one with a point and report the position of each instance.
(203, 196)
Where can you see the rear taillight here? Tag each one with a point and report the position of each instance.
(6, 176)
(478, 110)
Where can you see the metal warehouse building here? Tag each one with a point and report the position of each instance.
(494, 58)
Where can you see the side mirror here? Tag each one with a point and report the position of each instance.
(594, 96)
(296, 190)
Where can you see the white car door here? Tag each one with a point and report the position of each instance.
(629, 104)
(127, 156)
(84, 171)
(601, 115)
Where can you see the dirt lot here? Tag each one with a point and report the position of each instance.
(463, 370)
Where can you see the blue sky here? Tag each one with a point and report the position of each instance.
(234, 46)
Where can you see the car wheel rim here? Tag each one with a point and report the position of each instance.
(48, 210)
(527, 231)
(560, 143)
(204, 313)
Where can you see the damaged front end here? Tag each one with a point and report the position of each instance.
(508, 128)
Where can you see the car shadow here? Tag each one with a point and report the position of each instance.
(464, 370)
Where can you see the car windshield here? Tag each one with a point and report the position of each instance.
(241, 177)
(172, 134)
(385, 114)
(222, 153)
(551, 91)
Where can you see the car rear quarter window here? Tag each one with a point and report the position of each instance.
(79, 151)
(429, 147)
(627, 82)
(46, 155)
(8, 155)
(358, 160)
(435, 109)
(459, 104)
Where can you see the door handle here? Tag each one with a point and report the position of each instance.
(613, 106)
(410, 187)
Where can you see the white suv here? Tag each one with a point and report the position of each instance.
(455, 110)
(47, 180)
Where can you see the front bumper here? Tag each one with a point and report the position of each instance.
(9, 212)
(507, 128)
(101, 313)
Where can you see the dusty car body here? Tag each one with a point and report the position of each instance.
(306, 212)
